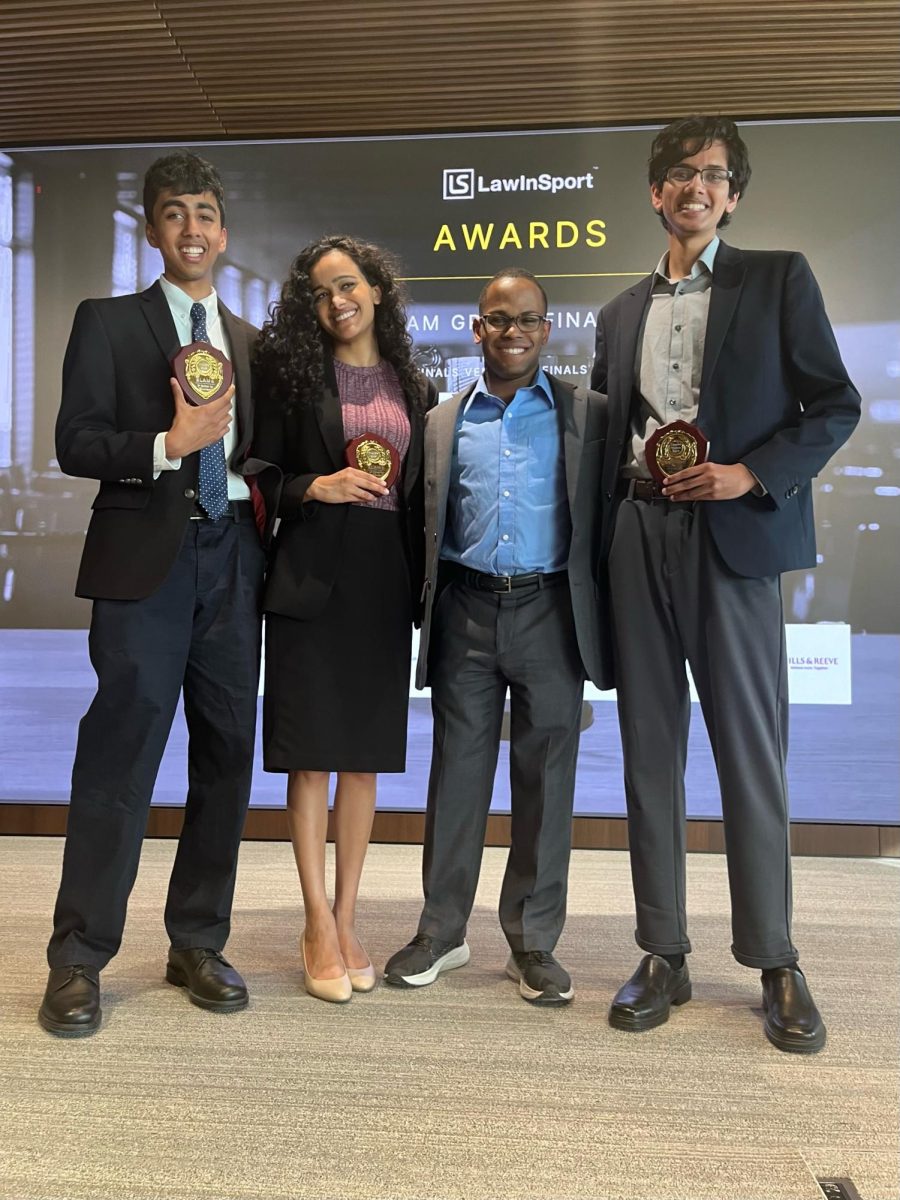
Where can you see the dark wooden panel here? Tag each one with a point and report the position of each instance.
(160, 70)
(588, 833)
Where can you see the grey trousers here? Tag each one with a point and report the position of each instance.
(674, 599)
(482, 644)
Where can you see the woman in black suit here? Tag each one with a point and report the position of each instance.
(335, 362)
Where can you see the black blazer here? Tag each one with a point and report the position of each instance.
(289, 451)
(116, 398)
(774, 395)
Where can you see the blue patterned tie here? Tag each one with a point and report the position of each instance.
(213, 476)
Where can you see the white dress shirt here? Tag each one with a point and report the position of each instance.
(180, 307)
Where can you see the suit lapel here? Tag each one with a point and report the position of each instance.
(728, 278)
(441, 433)
(571, 407)
(630, 319)
(413, 454)
(327, 407)
(240, 361)
(159, 318)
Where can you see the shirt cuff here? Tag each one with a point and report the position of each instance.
(758, 490)
(160, 462)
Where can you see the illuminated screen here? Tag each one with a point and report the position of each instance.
(573, 208)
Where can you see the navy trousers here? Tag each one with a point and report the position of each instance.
(198, 635)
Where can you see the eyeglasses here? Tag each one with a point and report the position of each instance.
(709, 175)
(527, 322)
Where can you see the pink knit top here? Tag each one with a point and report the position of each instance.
(372, 401)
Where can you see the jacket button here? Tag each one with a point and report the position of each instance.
(190, 494)
(609, 495)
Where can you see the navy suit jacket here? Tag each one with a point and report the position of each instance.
(774, 395)
(116, 398)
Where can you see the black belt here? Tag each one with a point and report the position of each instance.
(483, 582)
(238, 510)
(639, 489)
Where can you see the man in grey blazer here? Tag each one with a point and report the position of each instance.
(737, 343)
(512, 508)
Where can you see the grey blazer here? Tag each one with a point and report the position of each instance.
(582, 417)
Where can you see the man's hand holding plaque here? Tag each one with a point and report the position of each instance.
(195, 426)
(678, 460)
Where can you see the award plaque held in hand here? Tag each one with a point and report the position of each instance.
(675, 447)
(202, 371)
(374, 455)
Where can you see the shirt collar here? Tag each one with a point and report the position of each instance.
(541, 383)
(180, 302)
(704, 262)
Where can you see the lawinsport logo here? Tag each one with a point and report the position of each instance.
(461, 183)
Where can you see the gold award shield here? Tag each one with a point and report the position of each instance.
(202, 371)
(374, 455)
(675, 447)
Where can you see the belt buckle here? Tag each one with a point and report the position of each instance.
(509, 580)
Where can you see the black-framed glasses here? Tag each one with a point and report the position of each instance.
(528, 322)
(709, 175)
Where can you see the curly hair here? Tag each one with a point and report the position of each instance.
(293, 353)
(689, 136)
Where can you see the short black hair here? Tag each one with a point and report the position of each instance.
(512, 273)
(185, 174)
(690, 135)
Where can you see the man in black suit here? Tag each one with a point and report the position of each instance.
(736, 343)
(173, 564)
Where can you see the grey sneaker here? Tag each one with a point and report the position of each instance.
(540, 978)
(420, 962)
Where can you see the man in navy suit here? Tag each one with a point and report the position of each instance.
(173, 564)
(736, 343)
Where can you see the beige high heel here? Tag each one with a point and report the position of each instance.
(337, 991)
(362, 979)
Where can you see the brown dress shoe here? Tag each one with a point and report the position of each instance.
(792, 1020)
(71, 1005)
(644, 1001)
(211, 982)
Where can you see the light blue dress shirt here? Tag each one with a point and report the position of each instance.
(507, 509)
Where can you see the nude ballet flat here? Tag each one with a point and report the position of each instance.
(337, 991)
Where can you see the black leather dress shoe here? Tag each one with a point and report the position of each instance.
(644, 1001)
(792, 1020)
(211, 982)
(71, 1005)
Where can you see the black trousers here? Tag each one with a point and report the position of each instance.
(197, 634)
(483, 644)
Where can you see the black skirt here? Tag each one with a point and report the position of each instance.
(337, 687)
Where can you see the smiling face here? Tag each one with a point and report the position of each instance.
(187, 230)
(692, 211)
(511, 357)
(344, 300)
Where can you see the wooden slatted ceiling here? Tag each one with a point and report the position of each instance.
(139, 70)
